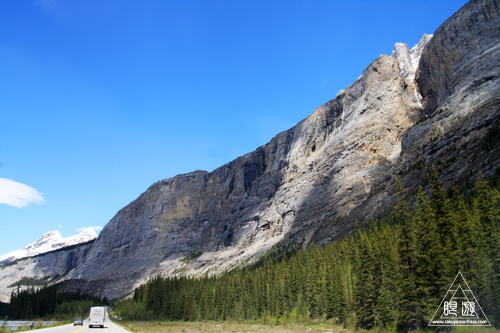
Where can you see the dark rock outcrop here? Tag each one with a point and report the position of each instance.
(462, 56)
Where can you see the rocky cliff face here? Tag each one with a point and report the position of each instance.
(460, 88)
(458, 78)
(408, 59)
(334, 167)
(209, 222)
(461, 59)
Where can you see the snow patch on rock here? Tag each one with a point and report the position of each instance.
(408, 59)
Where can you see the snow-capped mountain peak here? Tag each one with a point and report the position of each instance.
(44, 243)
(49, 241)
(83, 237)
(408, 59)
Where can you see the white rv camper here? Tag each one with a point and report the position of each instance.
(97, 316)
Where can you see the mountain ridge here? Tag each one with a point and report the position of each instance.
(49, 241)
(250, 207)
(313, 181)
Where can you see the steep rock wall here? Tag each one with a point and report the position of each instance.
(458, 78)
(455, 55)
(313, 181)
(208, 222)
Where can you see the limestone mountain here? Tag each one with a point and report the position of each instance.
(437, 103)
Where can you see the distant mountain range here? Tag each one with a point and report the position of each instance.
(435, 104)
(49, 241)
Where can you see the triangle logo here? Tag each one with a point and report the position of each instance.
(459, 307)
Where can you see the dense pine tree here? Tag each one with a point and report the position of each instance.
(385, 275)
(48, 301)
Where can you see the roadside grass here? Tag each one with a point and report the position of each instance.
(233, 326)
(228, 326)
(34, 325)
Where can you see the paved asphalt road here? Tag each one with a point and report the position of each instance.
(109, 327)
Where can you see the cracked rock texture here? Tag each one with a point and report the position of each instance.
(337, 166)
(315, 180)
(208, 222)
(461, 57)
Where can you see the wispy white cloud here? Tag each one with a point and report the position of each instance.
(96, 228)
(17, 194)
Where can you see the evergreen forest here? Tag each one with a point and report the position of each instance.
(389, 274)
(49, 302)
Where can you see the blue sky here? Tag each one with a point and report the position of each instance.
(99, 99)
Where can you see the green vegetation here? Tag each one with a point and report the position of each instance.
(25, 281)
(48, 302)
(191, 257)
(389, 275)
(11, 263)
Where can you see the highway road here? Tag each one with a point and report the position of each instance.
(109, 327)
